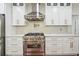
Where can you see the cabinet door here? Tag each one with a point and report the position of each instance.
(59, 46)
(18, 15)
(66, 46)
(69, 46)
(61, 15)
(68, 13)
(48, 15)
(14, 46)
(73, 45)
(52, 17)
(51, 46)
(55, 15)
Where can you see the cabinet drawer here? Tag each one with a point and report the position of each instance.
(51, 40)
(14, 44)
(50, 52)
(51, 47)
(14, 53)
(14, 40)
(14, 48)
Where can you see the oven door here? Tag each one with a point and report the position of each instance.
(33, 49)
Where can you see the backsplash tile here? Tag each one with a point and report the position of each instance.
(43, 28)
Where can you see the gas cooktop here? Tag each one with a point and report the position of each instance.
(34, 34)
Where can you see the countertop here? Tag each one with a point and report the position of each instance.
(50, 35)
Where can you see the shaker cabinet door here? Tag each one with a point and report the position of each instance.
(52, 16)
(48, 16)
(18, 15)
(51, 46)
(61, 15)
(68, 13)
(55, 15)
(14, 45)
(66, 46)
(69, 45)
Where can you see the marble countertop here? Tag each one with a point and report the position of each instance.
(48, 35)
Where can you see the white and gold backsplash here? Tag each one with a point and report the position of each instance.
(39, 26)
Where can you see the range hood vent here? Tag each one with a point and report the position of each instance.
(35, 15)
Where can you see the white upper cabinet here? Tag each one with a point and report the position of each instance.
(68, 12)
(48, 14)
(55, 14)
(58, 14)
(18, 12)
(2, 8)
(61, 14)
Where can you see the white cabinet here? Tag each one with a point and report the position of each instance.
(2, 8)
(68, 17)
(51, 46)
(70, 45)
(14, 45)
(58, 14)
(61, 46)
(48, 15)
(18, 15)
(51, 17)
(55, 15)
(61, 15)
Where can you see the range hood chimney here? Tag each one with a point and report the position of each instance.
(35, 15)
(37, 10)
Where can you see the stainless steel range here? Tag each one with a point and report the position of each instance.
(34, 44)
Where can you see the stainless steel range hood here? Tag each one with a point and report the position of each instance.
(35, 15)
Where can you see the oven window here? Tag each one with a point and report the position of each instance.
(33, 46)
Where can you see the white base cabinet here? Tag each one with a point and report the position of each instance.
(61, 46)
(14, 46)
(53, 45)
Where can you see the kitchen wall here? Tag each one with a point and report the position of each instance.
(42, 27)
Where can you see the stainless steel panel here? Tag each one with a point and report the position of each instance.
(2, 35)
